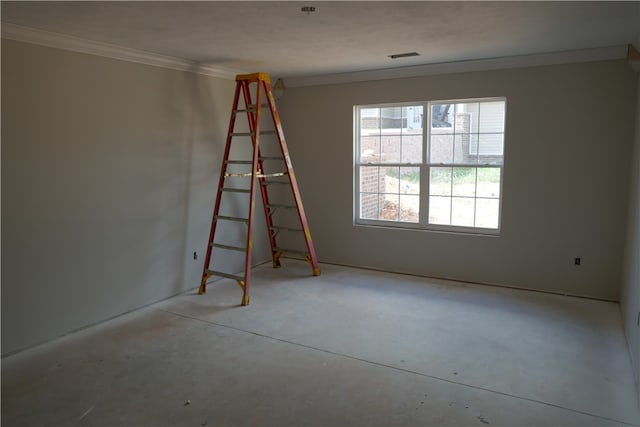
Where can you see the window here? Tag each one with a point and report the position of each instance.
(446, 175)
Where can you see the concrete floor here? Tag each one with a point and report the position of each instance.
(350, 347)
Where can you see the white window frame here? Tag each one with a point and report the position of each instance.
(425, 168)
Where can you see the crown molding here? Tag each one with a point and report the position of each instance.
(521, 61)
(77, 44)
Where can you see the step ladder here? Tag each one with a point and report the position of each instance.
(270, 170)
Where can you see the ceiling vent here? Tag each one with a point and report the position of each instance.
(403, 55)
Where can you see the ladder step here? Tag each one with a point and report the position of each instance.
(281, 206)
(275, 182)
(277, 227)
(229, 247)
(262, 132)
(236, 190)
(232, 218)
(227, 275)
(248, 162)
(291, 251)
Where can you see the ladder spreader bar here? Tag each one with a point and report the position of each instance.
(232, 218)
(250, 108)
(270, 158)
(238, 162)
(227, 275)
(231, 248)
(259, 175)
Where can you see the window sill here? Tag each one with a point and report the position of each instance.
(446, 229)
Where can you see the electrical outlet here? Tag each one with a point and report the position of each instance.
(195, 255)
(577, 261)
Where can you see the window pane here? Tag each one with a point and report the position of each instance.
(390, 149)
(462, 211)
(467, 117)
(391, 180)
(390, 209)
(490, 144)
(409, 180)
(473, 147)
(441, 148)
(492, 116)
(391, 120)
(463, 151)
(409, 208)
(439, 210)
(370, 121)
(370, 179)
(411, 148)
(487, 213)
(370, 206)
(413, 114)
(443, 116)
(464, 182)
(370, 149)
(488, 182)
(440, 182)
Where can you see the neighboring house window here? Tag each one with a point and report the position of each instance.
(447, 175)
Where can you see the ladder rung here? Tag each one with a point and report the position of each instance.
(292, 251)
(232, 218)
(262, 132)
(231, 248)
(236, 190)
(274, 182)
(227, 275)
(248, 162)
(277, 227)
(281, 206)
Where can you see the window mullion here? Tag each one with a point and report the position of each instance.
(425, 169)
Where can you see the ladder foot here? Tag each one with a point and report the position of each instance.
(276, 259)
(316, 271)
(245, 300)
(203, 286)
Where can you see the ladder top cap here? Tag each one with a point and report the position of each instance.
(254, 77)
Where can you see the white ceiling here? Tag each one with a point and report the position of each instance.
(277, 38)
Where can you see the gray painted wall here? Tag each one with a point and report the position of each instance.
(109, 171)
(630, 301)
(569, 135)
